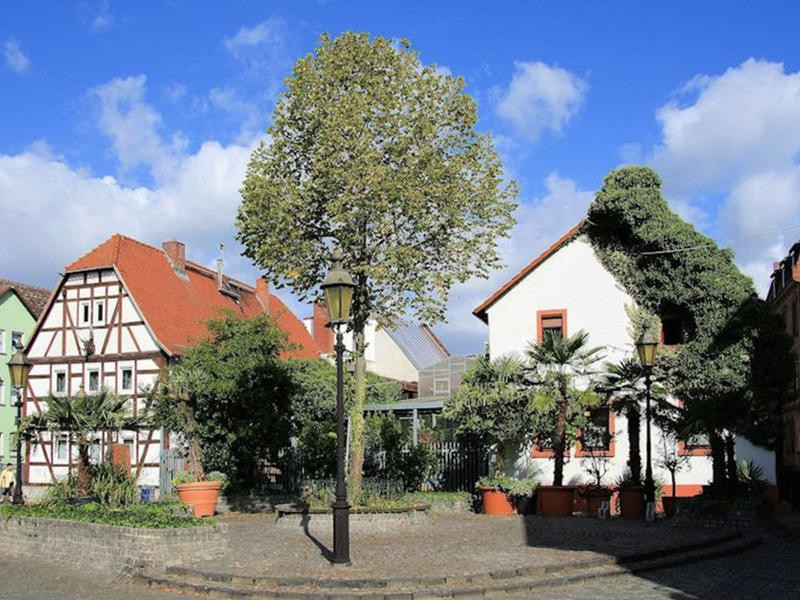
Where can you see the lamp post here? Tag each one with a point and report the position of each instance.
(646, 349)
(19, 368)
(338, 290)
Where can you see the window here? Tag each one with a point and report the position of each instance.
(16, 340)
(62, 446)
(551, 322)
(2, 341)
(99, 312)
(128, 441)
(2, 399)
(60, 386)
(94, 381)
(85, 314)
(127, 380)
(597, 438)
(671, 330)
(697, 445)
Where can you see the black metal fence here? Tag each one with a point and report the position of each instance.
(460, 466)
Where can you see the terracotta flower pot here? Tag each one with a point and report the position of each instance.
(631, 502)
(496, 502)
(201, 496)
(554, 500)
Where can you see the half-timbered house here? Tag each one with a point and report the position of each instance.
(118, 316)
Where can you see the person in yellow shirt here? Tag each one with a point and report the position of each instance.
(7, 483)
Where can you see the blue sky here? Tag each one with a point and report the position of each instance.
(139, 117)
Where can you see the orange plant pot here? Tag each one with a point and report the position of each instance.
(201, 496)
(631, 501)
(670, 504)
(496, 502)
(554, 500)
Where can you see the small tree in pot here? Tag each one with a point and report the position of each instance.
(671, 459)
(493, 407)
(557, 365)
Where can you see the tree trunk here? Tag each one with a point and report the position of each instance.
(195, 451)
(560, 435)
(730, 455)
(357, 415)
(84, 468)
(634, 435)
(674, 486)
(718, 460)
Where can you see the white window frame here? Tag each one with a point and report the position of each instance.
(122, 369)
(89, 373)
(82, 305)
(2, 341)
(57, 443)
(21, 336)
(54, 387)
(99, 320)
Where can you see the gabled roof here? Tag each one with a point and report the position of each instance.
(480, 311)
(33, 298)
(419, 344)
(175, 307)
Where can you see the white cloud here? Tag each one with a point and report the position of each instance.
(743, 121)
(260, 47)
(15, 57)
(540, 97)
(246, 111)
(134, 127)
(540, 222)
(730, 144)
(194, 197)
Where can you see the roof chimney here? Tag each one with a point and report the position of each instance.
(322, 334)
(262, 293)
(176, 255)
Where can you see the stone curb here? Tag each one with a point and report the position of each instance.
(489, 584)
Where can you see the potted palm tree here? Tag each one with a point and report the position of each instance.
(493, 407)
(556, 365)
(81, 416)
(175, 409)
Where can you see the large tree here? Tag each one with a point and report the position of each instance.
(732, 368)
(375, 153)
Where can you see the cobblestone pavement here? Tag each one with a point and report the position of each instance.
(453, 544)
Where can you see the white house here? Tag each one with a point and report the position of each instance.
(567, 288)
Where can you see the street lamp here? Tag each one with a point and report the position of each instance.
(646, 347)
(19, 368)
(338, 290)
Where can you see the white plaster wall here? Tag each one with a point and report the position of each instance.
(389, 360)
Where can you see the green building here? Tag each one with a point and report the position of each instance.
(20, 307)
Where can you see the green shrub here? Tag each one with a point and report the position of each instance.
(513, 487)
(61, 491)
(390, 453)
(113, 485)
(145, 516)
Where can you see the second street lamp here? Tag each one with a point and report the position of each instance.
(338, 290)
(646, 347)
(19, 368)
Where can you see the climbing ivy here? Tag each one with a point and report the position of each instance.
(733, 367)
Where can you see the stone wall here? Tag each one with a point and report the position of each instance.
(110, 548)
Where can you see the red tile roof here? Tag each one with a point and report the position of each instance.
(33, 298)
(175, 308)
(480, 311)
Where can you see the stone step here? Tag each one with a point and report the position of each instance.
(486, 585)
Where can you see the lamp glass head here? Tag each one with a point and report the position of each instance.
(646, 347)
(19, 368)
(338, 290)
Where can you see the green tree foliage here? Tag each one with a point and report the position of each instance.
(733, 367)
(313, 409)
(375, 153)
(82, 416)
(562, 379)
(494, 407)
(229, 396)
(391, 454)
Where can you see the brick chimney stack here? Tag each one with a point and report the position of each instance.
(262, 293)
(322, 334)
(176, 254)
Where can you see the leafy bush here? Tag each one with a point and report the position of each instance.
(751, 477)
(317, 446)
(375, 493)
(145, 516)
(181, 478)
(390, 453)
(61, 491)
(113, 485)
(513, 487)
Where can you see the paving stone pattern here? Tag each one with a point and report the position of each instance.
(440, 545)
